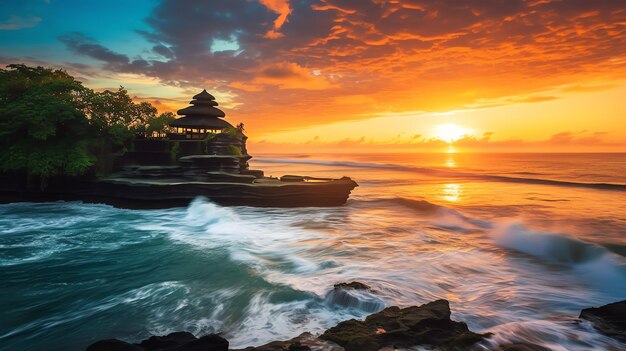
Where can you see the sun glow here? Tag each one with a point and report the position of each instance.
(450, 132)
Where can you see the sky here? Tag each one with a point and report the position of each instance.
(353, 75)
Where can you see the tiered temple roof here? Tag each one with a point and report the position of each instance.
(202, 114)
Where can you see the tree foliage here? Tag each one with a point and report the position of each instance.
(43, 129)
(160, 123)
(50, 124)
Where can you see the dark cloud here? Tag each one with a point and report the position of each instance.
(163, 51)
(342, 32)
(83, 45)
(449, 53)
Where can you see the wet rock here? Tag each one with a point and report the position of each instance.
(179, 341)
(169, 341)
(303, 342)
(522, 346)
(429, 324)
(354, 295)
(212, 342)
(608, 319)
(352, 285)
(113, 345)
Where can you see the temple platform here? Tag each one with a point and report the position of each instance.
(144, 193)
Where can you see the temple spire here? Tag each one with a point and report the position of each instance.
(200, 118)
(203, 104)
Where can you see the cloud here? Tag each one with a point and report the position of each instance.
(562, 141)
(282, 8)
(376, 56)
(163, 51)
(588, 87)
(83, 45)
(162, 104)
(289, 75)
(19, 22)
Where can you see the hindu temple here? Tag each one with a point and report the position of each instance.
(200, 119)
(199, 154)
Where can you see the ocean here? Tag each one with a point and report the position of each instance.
(518, 243)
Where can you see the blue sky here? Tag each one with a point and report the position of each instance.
(39, 24)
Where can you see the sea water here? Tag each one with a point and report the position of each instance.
(518, 243)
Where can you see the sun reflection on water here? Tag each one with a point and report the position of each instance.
(450, 162)
(452, 192)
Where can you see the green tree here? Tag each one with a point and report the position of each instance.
(115, 117)
(115, 120)
(160, 123)
(50, 124)
(43, 129)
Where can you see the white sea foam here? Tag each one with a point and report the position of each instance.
(268, 321)
(187, 316)
(253, 241)
(556, 335)
(592, 263)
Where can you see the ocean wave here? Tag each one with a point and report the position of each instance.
(252, 240)
(351, 298)
(267, 320)
(594, 264)
(446, 216)
(450, 174)
(557, 335)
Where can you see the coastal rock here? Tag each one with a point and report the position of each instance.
(428, 324)
(303, 342)
(608, 319)
(179, 341)
(113, 345)
(354, 295)
(352, 285)
(522, 346)
(211, 342)
(169, 341)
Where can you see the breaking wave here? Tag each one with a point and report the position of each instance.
(557, 335)
(447, 217)
(594, 264)
(351, 298)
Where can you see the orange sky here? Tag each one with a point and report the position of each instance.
(384, 76)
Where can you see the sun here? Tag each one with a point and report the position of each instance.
(450, 132)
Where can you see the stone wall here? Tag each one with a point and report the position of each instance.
(168, 152)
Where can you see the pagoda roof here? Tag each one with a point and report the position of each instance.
(201, 110)
(204, 95)
(203, 104)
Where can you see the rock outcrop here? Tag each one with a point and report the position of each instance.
(303, 342)
(429, 325)
(522, 346)
(354, 295)
(426, 325)
(608, 319)
(352, 285)
(179, 341)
